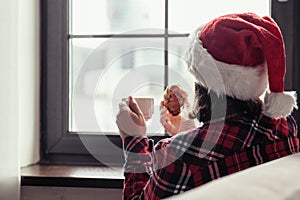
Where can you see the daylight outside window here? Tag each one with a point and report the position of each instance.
(114, 42)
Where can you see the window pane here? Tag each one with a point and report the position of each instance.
(178, 71)
(186, 16)
(115, 16)
(106, 70)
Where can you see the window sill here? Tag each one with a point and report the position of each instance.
(72, 176)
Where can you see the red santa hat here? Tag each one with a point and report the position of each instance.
(242, 55)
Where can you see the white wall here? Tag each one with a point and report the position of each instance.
(29, 81)
(19, 86)
(9, 143)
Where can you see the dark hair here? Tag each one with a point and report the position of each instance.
(207, 101)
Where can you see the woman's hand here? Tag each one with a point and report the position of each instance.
(130, 119)
(174, 124)
(170, 123)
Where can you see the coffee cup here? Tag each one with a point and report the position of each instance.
(146, 105)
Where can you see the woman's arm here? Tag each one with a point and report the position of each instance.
(150, 173)
(153, 174)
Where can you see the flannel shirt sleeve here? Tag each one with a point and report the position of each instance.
(153, 174)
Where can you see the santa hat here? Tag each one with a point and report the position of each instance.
(242, 55)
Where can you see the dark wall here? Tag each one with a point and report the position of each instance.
(287, 15)
(296, 47)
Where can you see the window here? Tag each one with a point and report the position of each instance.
(132, 47)
(91, 48)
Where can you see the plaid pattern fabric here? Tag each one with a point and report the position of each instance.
(190, 159)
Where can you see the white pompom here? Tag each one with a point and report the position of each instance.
(279, 104)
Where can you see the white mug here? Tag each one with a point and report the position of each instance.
(146, 105)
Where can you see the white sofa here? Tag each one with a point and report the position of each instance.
(275, 180)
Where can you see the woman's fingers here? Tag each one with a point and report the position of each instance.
(134, 107)
(123, 106)
(169, 126)
(165, 120)
(130, 120)
(163, 115)
(162, 105)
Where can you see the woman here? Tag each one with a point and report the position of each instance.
(235, 59)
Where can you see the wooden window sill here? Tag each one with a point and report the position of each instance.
(72, 176)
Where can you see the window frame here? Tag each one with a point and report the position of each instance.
(58, 146)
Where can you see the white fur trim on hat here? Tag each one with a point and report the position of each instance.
(240, 82)
(279, 104)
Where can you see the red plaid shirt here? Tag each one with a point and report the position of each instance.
(190, 159)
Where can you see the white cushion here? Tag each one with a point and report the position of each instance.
(278, 179)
